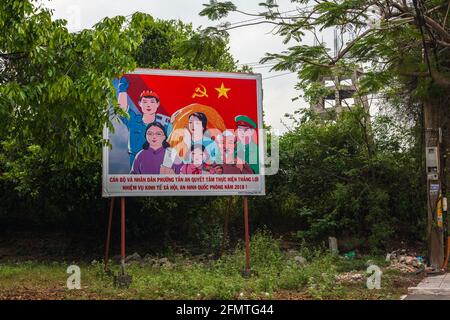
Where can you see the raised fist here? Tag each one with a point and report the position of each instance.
(123, 84)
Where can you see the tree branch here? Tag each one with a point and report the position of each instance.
(446, 15)
(438, 28)
(435, 75)
(440, 79)
(350, 45)
(443, 43)
(252, 24)
(13, 55)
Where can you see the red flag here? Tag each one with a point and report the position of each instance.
(229, 96)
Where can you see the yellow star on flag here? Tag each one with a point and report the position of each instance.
(223, 91)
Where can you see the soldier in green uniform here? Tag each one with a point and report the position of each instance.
(246, 148)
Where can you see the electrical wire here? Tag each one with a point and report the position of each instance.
(263, 17)
(264, 66)
(278, 75)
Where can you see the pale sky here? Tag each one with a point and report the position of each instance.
(248, 44)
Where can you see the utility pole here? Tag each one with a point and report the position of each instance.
(433, 112)
(434, 109)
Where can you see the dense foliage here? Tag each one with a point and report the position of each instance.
(54, 91)
(397, 42)
(330, 184)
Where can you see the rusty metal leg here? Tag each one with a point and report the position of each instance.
(122, 256)
(123, 280)
(247, 271)
(108, 235)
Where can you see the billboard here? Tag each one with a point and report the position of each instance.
(185, 133)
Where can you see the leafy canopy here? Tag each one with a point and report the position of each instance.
(387, 38)
(55, 85)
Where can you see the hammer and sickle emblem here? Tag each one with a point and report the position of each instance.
(200, 92)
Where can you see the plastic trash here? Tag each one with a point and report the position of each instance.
(350, 255)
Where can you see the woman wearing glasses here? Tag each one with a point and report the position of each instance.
(150, 159)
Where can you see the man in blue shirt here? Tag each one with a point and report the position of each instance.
(137, 122)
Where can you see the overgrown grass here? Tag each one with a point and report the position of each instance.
(186, 278)
(222, 279)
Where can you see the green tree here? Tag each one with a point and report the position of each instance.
(172, 44)
(387, 37)
(326, 184)
(55, 93)
(55, 86)
(402, 45)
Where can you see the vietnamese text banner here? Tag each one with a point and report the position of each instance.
(185, 133)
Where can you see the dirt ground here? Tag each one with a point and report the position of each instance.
(35, 269)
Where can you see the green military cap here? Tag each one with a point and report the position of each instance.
(242, 120)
